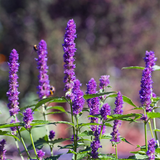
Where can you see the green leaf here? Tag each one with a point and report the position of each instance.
(64, 122)
(8, 133)
(106, 136)
(108, 124)
(49, 100)
(88, 124)
(29, 106)
(59, 140)
(86, 133)
(133, 67)
(152, 115)
(139, 156)
(60, 108)
(56, 157)
(8, 125)
(69, 146)
(71, 151)
(89, 96)
(125, 99)
(128, 100)
(40, 122)
(124, 140)
(156, 68)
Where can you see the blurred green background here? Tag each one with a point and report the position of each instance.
(111, 34)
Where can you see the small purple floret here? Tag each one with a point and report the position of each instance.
(28, 117)
(118, 110)
(105, 110)
(72, 138)
(150, 60)
(51, 134)
(104, 81)
(2, 150)
(44, 86)
(13, 83)
(14, 128)
(151, 149)
(40, 154)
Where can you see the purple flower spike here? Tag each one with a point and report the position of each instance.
(72, 138)
(150, 60)
(93, 103)
(78, 101)
(105, 110)
(51, 134)
(2, 150)
(95, 144)
(13, 83)
(28, 117)
(104, 81)
(151, 149)
(146, 89)
(40, 154)
(118, 110)
(69, 52)
(44, 86)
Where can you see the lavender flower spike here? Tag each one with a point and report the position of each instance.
(40, 154)
(44, 86)
(93, 103)
(51, 134)
(13, 83)
(151, 149)
(105, 110)
(2, 150)
(146, 89)
(104, 81)
(28, 117)
(118, 110)
(69, 52)
(78, 102)
(150, 60)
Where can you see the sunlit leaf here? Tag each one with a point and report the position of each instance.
(156, 68)
(133, 67)
(152, 115)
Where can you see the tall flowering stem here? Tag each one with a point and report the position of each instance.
(146, 91)
(13, 83)
(93, 103)
(44, 86)
(69, 52)
(117, 123)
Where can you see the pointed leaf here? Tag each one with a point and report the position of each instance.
(71, 151)
(40, 122)
(156, 68)
(152, 115)
(8, 133)
(89, 96)
(86, 133)
(64, 122)
(11, 125)
(56, 157)
(133, 67)
(128, 100)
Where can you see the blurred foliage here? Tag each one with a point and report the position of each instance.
(111, 34)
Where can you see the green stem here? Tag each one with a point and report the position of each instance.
(150, 126)
(145, 130)
(116, 151)
(33, 144)
(19, 149)
(155, 132)
(45, 117)
(23, 143)
(75, 145)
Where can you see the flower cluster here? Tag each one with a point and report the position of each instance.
(146, 81)
(69, 52)
(104, 81)
(95, 144)
(105, 110)
(151, 149)
(2, 150)
(78, 101)
(28, 117)
(44, 86)
(13, 83)
(150, 60)
(40, 154)
(51, 134)
(93, 103)
(118, 110)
